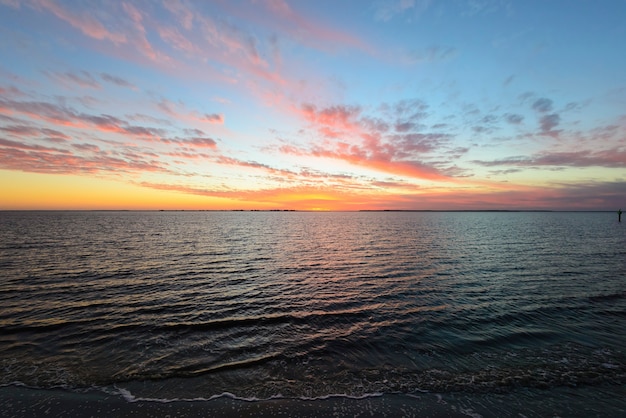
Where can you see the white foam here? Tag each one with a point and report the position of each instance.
(340, 395)
(470, 413)
(413, 395)
(129, 397)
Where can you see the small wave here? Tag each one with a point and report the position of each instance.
(44, 326)
(511, 337)
(234, 365)
(129, 397)
(305, 318)
(557, 366)
(340, 395)
(608, 298)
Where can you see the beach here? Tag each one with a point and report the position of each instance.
(25, 402)
(18, 402)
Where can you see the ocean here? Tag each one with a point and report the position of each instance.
(491, 313)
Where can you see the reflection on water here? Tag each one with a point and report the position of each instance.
(311, 304)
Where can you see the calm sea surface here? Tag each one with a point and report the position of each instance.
(256, 305)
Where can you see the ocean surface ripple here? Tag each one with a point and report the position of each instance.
(184, 305)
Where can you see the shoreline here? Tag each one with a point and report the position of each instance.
(20, 401)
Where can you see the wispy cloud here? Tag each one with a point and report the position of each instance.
(11, 92)
(68, 126)
(182, 13)
(542, 105)
(548, 123)
(611, 158)
(481, 7)
(116, 80)
(433, 54)
(201, 142)
(25, 130)
(90, 160)
(65, 116)
(570, 196)
(81, 79)
(387, 10)
(83, 21)
(310, 32)
(180, 111)
(340, 117)
(513, 118)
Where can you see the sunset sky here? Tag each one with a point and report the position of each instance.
(313, 105)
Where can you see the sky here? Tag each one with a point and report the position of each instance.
(313, 105)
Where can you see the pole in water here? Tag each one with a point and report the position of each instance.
(619, 215)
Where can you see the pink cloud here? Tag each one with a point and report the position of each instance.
(174, 38)
(52, 133)
(212, 118)
(229, 38)
(350, 136)
(337, 117)
(22, 157)
(381, 161)
(33, 131)
(308, 31)
(251, 58)
(20, 130)
(11, 92)
(216, 49)
(284, 174)
(85, 22)
(24, 146)
(188, 155)
(179, 111)
(86, 147)
(61, 115)
(200, 142)
(139, 39)
(184, 15)
(65, 117)
(225, 43)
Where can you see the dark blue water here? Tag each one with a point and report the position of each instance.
(185, 305)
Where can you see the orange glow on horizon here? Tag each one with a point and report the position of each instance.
(30, 191)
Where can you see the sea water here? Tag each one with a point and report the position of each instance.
(303, 305)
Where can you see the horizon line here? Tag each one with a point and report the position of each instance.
(308, 210)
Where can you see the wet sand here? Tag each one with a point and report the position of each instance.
(25, 402)
(19, 401)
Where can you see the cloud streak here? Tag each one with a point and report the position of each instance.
(84, 21)
(610, 158)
